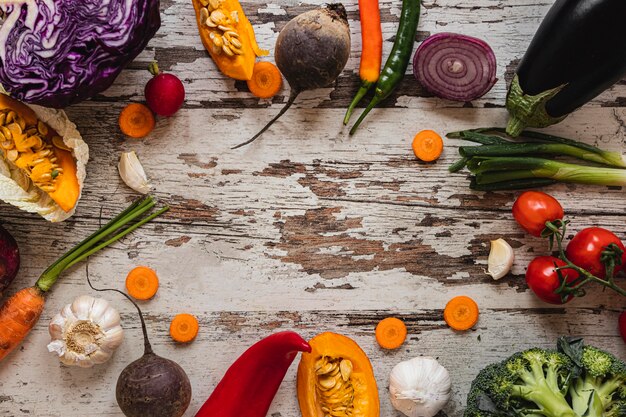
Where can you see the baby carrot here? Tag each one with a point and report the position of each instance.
(461, 313)
(136, 120)
(266, 80)
(427, 145)
(184, 328)
(142, 283)
(390, 333)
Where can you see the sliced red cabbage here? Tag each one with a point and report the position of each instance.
(59, 52)
(455, 67)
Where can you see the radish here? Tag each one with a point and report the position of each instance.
(164, 93)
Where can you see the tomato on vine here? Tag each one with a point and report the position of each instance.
(587, 247)
(543, 279)
(533, 209)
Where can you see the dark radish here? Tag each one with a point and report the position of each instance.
(455, 67)
(9, 259)
(164, 93)
(311, 51)
(577, 53)
(151, 386)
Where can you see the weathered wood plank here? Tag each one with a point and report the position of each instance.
(309, 229)
(226, 334)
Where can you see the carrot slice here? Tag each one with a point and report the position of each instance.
(427, 145)
(390, 333)
(266, 80)
(142, 283)
(461, 313)
(136, 120)
(184, 328)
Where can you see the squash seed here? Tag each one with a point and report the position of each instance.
(236, 43)
(215, 4)
(57, 141)
(345, 366)
(235, 16)
(225, 28)
(204, 2)
(217, 16)
(232, 34)
(327, 383)
(204, 14)
(218, 41)
(42, 128)
(12, 155)
(227, 50)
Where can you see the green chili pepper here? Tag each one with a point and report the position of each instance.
(399, 58)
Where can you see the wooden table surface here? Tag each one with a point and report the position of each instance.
(308, 229)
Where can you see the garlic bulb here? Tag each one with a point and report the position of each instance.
(419, 387)
(85, 332)
(501, 259)
(132, 172)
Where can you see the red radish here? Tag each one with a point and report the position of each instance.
(622, 325)
(164, 93)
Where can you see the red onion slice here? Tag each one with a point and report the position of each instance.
(455, 67)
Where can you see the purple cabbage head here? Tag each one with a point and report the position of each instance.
(59, 52)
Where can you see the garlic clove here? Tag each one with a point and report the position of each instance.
(82, 306)
(98, 309)
(113, 338)
(100, 357)
(132, 172)
(110, 319)
(500, 259)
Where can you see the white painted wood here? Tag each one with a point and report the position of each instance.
(307, 229)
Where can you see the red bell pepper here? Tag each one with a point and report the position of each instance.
(250, 384)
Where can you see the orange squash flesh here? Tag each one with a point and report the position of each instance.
(67, 189)
(333, 345)
(239, 67)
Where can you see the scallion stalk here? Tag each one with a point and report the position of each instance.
(111, 232)
(497, 169)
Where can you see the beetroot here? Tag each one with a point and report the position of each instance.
(164, 93)
(9, 259)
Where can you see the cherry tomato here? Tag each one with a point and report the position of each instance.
(533, 209)
(543, 279)
(622, 325)
(585, 249)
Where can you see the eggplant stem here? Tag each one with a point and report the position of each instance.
(292, 98)
(147, 347)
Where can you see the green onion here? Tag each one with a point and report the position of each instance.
(111, 232)
(500, 164)
(513, 149)
(492, 170)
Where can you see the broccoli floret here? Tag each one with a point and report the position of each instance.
(528, 384)
(600, 391)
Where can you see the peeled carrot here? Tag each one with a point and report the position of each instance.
(184, 328)
(18, 316)
(461, 313)
(391, 333)
(136, 120)
(427, 145)
(266, 80)
(142, 283)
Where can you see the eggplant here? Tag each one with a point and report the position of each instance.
(578, 52)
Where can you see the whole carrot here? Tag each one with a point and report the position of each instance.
(372, 51)
(20, 313)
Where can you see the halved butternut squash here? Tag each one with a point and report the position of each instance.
(336, 379)
(228, 36)
(37, 150)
